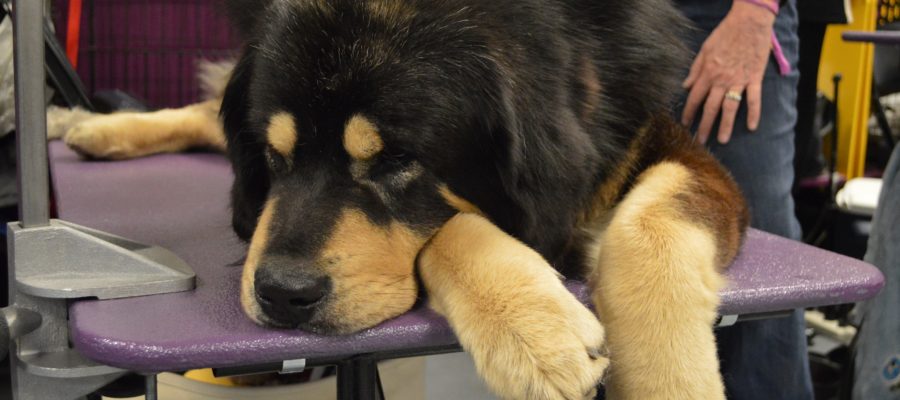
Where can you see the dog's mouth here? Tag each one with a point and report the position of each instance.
(311, 320)
(323, 328)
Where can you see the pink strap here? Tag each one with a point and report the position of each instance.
(784, 66)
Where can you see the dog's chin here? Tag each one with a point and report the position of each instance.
(324, 328)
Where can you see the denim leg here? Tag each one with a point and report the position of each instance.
(764, 359)
(877, 357)
(762, 162)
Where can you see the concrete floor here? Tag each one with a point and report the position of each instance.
(452, 377)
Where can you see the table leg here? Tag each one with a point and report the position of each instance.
(358, 379)
(151, 393)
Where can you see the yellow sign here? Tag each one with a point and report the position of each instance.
(854, 61)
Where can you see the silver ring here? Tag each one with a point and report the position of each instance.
(734, 95)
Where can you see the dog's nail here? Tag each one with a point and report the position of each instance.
(598, 352)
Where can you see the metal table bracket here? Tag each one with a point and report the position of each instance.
(64, 261)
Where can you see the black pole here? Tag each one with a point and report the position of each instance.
(834, 138)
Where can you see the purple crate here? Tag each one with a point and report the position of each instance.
(148, 48)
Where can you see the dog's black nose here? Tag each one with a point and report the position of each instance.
(289, 296)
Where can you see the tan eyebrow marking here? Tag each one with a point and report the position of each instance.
(282, 133)
(361, 139)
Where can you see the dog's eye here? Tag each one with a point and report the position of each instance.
(396, 173)
(397, 158)
(390, 163)
(275, 161)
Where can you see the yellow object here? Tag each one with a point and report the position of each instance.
(854, 61)
(206, 376)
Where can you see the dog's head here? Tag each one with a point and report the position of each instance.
(357, 128)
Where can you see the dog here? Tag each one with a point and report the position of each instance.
(476, 150)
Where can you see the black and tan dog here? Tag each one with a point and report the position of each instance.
(481, 146)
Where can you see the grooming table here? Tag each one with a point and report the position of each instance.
(180, 202)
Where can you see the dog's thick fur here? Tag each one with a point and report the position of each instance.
(486, 143)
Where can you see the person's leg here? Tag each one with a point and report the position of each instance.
(877, 359)
(764, 359)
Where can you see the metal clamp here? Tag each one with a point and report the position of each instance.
(726, 320)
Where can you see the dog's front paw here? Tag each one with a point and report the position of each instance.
(60, 120)
(547, 351)
(101, 137)
(529, 336)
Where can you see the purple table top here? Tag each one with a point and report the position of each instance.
(180, 202)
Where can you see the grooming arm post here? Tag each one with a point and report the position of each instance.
(52, 261)
(31, 119)
(26, 316)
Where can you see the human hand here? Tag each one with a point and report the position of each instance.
(732, 60)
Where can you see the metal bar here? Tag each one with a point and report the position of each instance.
(62, 74)
(151, 393)
(729, 320)
(765, 315)
(274, 367)
(880, 37)
(247, 370)
(31, 117)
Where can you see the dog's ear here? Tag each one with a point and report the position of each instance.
(547, 169)
(519, 155)
(251, 177)
(245, 14)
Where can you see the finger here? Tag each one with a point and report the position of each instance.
(710, 113)
(729, 112)
(694, 100)
(696, 67)
(754, 106)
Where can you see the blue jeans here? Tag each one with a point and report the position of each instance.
(764, 359)
(877, 360)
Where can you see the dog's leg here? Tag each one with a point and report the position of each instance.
(130, 134)
(657, 280)
(530, 337)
